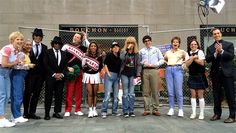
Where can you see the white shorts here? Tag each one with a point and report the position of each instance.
(92, 78)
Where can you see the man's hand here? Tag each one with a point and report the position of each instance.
(84, 35)
(218, 48)
(58, 76)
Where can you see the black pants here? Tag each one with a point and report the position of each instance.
(53, 88)
(33, 87)
(219, 82)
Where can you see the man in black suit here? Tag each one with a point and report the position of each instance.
(55, 63)
(221, 55)
(35, 77)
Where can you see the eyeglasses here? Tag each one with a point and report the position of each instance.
(147, 40)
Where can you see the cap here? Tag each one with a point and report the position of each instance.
(115, 44)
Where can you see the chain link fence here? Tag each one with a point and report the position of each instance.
(105, 35)
(164, 38)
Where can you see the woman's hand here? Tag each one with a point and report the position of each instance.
(70, 69)
(31, 65)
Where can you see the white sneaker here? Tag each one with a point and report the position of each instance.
(90, 114)
(104, 115)
(95, 113)
(181, 113)
(201, 116)
(192, 116)
(20, 120)
(67, 114)
(170, 112)
(6, 123)
(116, 114)
(79, 113)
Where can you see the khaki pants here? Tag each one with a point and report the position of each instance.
(150, 84)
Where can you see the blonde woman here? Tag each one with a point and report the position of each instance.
(130, 70)
(8, 59)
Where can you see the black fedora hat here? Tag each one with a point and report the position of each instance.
(38, 32)
(57, 40)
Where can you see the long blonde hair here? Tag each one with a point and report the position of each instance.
(133, 40)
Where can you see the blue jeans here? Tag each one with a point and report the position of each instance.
(174, 81)
(17, 87)
(109, 83)
(128, 94)
(4, 88)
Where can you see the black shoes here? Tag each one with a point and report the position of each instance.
(57, 115)
(215, 117)
(229, 120)
(47, 117)
(33, 116)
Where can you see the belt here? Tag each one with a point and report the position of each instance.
(149, 68)
(174, 65)
(4, 67)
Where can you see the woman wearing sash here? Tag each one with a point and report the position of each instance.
(92, 65)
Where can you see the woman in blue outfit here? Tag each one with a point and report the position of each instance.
(175, 58)
(130, 70)
(111, 80)
(8, 59)
(17, 78)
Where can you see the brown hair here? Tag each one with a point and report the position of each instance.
(188, 47)
(176, 38)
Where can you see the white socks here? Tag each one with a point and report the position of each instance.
(194, 105)
(202, 107)
(94, 108)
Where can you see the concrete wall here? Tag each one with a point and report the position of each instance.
(157, 14)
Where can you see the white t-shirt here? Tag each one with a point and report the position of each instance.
(10, 52)
(200, 54)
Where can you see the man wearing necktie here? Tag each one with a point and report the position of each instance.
(221, 54)
(55, 63)
(35, 77)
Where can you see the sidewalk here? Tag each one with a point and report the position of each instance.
(138, 124)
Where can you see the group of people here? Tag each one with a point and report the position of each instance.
(25, 65)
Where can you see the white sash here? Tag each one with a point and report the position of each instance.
(76, 52)
(91, 62)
